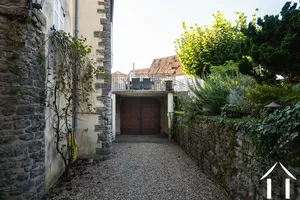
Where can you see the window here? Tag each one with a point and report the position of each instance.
(58, 17)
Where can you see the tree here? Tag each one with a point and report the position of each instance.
(202, 47)
(274, 43)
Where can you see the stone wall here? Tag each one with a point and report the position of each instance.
(22, 116)
(104, 61)
(226, 155)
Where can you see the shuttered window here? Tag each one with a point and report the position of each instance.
(58, 17)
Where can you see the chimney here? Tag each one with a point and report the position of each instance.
(133, 69)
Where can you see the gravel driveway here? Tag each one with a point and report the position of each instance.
(141, 168)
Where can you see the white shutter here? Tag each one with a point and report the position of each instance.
(61, 18)
(58, 15)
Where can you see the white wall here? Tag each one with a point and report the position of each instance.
(170, 111)
(89, 22)
(86, 136)
(53, 162)
(181, 83)
(164, 115)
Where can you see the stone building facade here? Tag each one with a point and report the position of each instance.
(22, 118)
(29, 165)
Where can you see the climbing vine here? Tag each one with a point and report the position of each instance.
(64, 52)
(277, 135)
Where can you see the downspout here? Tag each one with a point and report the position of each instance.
(75, 85)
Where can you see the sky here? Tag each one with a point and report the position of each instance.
(144, 30)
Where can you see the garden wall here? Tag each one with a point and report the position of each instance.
(225, 153)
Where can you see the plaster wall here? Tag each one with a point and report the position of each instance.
(87, 142)
(87, 135)
(164, 115)
(53, 162)
(95, 26)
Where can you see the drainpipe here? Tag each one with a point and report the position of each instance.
(75, 84)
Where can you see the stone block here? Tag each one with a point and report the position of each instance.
(12, 150)
(5, 125)
(39, 181)
(23, 176)
(25, 110)
(98, 128)
(7, 165)
(37, 157)
(30, 194)
(21, 124)
(21, 187)
(37, 171)
(35, 146)
(27, 136)
(103, 151)
(7, 139)
(39, 135)
(8, 110)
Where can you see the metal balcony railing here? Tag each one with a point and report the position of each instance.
(149, 82)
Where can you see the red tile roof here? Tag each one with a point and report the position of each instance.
(118, 73)
(141, 71)
(166, 65)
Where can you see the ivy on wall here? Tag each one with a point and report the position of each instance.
(277, 136)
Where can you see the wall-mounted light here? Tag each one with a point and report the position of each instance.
(272, 107)
(38, 4)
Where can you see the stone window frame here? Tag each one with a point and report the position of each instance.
(58, 11)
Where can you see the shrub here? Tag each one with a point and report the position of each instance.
(293, 96)
(210, 94)
(234, 110)
(260, 95)
(230, 69)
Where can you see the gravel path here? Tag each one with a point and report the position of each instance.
(141, 170)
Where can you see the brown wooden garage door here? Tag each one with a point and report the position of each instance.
(140, 116)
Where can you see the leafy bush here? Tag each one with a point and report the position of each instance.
(293, 96)
(230, 69)
(209, 95)
(260, 95)
(234, 110)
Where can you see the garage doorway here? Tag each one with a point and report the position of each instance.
(140, 116)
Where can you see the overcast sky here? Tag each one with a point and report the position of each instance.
(144, 30)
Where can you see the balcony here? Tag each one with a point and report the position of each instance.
(149, 83)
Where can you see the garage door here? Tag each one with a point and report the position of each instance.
(140, 116)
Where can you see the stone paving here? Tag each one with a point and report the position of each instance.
(142, 167)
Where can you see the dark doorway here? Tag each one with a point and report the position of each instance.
(140, 116)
